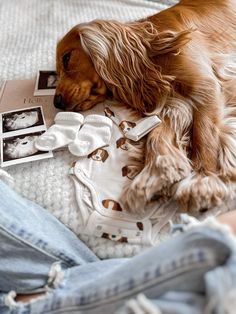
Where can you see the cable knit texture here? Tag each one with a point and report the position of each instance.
(30, 30)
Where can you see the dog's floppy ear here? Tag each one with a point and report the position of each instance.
(169, 42)
(93, 153)
(121, 54)
(104, 155)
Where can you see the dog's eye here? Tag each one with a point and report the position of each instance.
(94, 89)
(66, 60)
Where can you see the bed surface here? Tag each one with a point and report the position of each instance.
(30, 30)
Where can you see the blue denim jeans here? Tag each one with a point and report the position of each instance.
(193, 272)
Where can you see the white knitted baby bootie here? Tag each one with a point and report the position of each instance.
(62, 132)
(95, 133)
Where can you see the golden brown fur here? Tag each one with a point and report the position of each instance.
(179, 64)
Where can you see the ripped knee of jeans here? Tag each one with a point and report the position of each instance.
(55, 277)
(10, 299)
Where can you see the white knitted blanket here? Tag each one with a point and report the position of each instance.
(29, 33)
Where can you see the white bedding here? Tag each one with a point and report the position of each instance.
(29, 32)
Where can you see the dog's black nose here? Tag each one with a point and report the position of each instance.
(58, 102)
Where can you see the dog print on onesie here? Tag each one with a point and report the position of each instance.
(99, 154)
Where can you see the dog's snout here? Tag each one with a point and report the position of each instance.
(58, 102)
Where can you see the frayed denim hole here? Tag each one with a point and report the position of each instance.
(9, 300)
(55, 276)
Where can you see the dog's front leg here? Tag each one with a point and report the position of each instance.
(165, 164)
(204, 189)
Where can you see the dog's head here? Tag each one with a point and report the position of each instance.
(115, 237)
(99, 154)
(126, 126)
(122, 143)
(79, 86)
(129, 171)
(99, 58)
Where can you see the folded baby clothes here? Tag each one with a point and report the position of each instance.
(99, 178)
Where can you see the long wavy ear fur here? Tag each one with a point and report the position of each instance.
(169, 41)
(121, 54)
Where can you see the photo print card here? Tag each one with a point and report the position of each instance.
(27, 118)
(19, 94)
(19, 130)
(46, 83)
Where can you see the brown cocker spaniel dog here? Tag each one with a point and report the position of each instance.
(179, 64)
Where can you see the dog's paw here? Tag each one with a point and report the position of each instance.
(154, 182)
(134, 196)
(198, 193)
(169, 170)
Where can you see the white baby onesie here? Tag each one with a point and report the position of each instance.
(99, 178)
